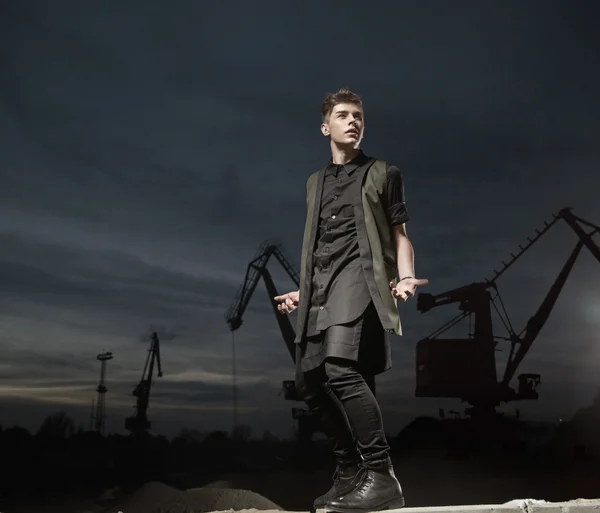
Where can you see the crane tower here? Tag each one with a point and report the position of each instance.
(99, 417)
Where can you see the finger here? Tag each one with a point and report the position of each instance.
(421, 282)
(391, 284)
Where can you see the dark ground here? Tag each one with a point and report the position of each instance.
(438, 463)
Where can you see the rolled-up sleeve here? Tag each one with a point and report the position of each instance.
(396, 203)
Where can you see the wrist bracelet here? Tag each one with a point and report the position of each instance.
(406, 278)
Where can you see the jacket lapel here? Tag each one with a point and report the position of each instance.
(359, 215)
(313, 210)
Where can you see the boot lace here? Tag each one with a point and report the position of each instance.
(336, 475)
(366, 482)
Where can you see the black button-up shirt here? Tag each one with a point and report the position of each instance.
(340, 292)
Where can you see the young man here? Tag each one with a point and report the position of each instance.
(355, 245)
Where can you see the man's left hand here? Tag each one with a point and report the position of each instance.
(405, 289)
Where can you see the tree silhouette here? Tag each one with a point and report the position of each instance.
(57, 425)
(193, 436)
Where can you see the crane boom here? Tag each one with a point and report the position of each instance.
(256, 269)
(537, 321)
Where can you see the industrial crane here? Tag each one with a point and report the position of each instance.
(257, 268)
(465, 368)
(139, 423)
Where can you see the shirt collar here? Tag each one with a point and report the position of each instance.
(349, 167)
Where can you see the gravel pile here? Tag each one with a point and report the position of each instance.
(157, 497)
(219, 499)
(152, 497)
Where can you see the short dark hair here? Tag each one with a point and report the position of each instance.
(343, 95)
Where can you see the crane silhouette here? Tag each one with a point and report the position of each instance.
(139, 423)
(257, 268)
(465, 368)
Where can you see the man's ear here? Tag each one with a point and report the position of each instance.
(325, 129)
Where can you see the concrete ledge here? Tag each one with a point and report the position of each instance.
(515, 506)
(575, 506)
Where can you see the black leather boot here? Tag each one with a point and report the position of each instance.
(379, 490)
(345, 479)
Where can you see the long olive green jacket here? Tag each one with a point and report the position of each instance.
(375, 238)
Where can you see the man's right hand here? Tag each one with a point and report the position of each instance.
(288, 302)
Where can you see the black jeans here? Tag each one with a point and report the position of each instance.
(337, 393)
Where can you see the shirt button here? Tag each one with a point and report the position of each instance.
(333, 217)
(321, 307)
(335, 197)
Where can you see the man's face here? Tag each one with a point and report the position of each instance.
(345, 125)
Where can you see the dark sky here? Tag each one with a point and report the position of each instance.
(148, 148)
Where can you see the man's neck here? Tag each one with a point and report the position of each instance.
(343, 155)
